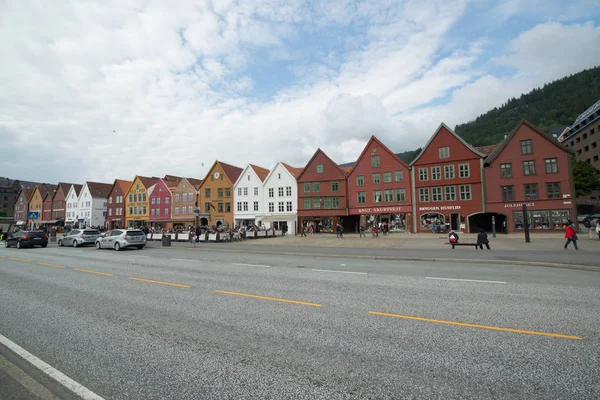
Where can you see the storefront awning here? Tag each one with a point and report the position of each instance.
(277, 217)
(21, 222)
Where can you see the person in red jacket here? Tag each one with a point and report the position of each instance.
(571, 235)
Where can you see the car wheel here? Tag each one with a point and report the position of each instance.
(60, 243)
(117, 246)
(140, 247)
(98, 246)
(19, 245)
(75, 244)
(6, 243)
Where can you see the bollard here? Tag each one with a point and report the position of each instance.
(493, 226)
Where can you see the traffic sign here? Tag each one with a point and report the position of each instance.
(33, 215)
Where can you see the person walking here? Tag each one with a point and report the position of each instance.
(598, 228)
(482, 238)
(361, 230)
(570, 235)
(338, 230)
(303, 231)
(592, 228)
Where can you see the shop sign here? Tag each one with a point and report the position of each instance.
(378, 210)
(519, 205)
(439, 208)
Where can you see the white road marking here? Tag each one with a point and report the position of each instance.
(342, 265)
(141, 256)
(251, 265)
(52, 372)
(184, 259)
(341, 272)
(463, 280)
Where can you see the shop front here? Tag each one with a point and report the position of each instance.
(444, 218)
(541, 216)
(397, 217)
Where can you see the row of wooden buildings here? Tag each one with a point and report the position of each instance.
(450, 184)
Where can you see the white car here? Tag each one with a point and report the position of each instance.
(79, 237)
(121, 238)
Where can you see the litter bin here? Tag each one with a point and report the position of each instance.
(166, 240)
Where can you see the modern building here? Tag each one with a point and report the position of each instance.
(136, 201)
(22, 206)
(185, 196)
(322, 195)
(447, 182)
(115, 205)
(529, 167)
(379, 189)
(9, 191)
(215, 197)
(248, 195)
(72, 200)
(279, 210)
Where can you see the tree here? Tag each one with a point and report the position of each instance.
(585, 177)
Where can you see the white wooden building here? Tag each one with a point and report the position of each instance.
(280, 205)
(248, 195)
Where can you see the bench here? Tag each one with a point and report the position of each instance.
(476, 245)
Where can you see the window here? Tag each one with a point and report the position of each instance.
(375, 161)
(220, 192)
(306, 188)
(444, 152)
(109, 199)
(190, 196)
(183, 210)
(256, 191)
(531, 191)
(184, 198)
(360, 180)
(280, 191)
(227, 207)
(158, 200)
(508, 192)
(278, 176)
(398, 176)
(281, 206)
(465, 192)
(423, 195)
(176, 210)
(450, 193)
(220, 206)
(436, 173)
(256, 206)
(377, 196)
(448, 171)
(239, 206)
(143, 196)
(423, 175)
(586, 148)
(553, 190)
(316, 187)
(376, 179)
(400, 195)
(464, 171)
(288, 191)
(528, 168)
(335, 186)
(506, 170)
(387, 177)
(153, 201)
(245, 191)
(272, 205)
(388, 195)
(319, 168)
(245, 206)
(288, 206)
(227, 193)
(316, 202)
(207, 193)
(436, 194)
(306, 204)
(239, 191)
(526, 147)
(135, 197)
(207, 207)
(362, 197)
(272, 191)
(166, 200)
(109, 212)
(190, 210)
(248, 177)
(551, 165)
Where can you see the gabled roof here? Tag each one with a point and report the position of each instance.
(443, 125)
(487, 150)
(196, 183)
(45, 188)
(122, 184)
(504, 142)
(98, 189)
(350, 168)
(77, 187)
(64, 186)
(147, 181)
(232, 172)
(327, 157)
(261, 172)
(27, 193)
(293, 170)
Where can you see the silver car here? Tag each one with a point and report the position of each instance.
(79, 237)
(121, 238)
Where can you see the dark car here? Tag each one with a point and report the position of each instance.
(27, 239)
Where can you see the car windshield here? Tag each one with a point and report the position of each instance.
(91, 232)
(135, 233)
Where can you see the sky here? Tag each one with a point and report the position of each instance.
(93, 91)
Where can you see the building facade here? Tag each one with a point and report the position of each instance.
(136, 201)
(447, 183)
(22, 207)
(248, 196)
(532, 168)
(379, 189)
(322, 195)
(36, 205)
(115, 204)
(9, 192)
(59, 205)
(279, 210)
(47, 209)
(92, 204)
(215, 197)
(72, 200)
(185, 196)
(160, 203)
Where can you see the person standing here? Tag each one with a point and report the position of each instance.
(571, 235)
(482, 238)
(598, 228)
(303, 230)
(362, 231)
(592, 228)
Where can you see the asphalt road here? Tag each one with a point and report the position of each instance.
(173, 324)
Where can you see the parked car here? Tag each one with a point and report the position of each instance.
(121, 238)
(26, 239)
(79, 237)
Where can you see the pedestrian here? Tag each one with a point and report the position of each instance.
(570, 235)
(482, 238)
(592, 228)
(362, 231)
(192, 235)
(598, 228)
(303, 231)
(198, 233)
(453, 237)
(338, 230)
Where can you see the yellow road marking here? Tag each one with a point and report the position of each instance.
(495, 328)
(50, 265)
(19, 259)
(269, 298)
(92, 272)
(2, 256)
(160, 282)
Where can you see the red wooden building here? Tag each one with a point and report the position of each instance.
(322, 195)
(58, 201)
(379, 188)
(529, 167)
(47, 208)
(160, 199)
(115, 204)
(447, 183)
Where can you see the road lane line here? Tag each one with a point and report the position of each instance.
(251, 265)
(141, 256)
(2, 256)
(269, 298)
(19, 259)
(494, 328)
(50, 265)
(62, 379)
(160, 282)
(92, 272)
(184, 259)
(463, 280)
(341, 272)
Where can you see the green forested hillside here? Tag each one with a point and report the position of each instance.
(556, 104)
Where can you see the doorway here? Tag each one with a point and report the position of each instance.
(203, 221)
(454, 221)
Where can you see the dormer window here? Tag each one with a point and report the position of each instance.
(444, 152)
